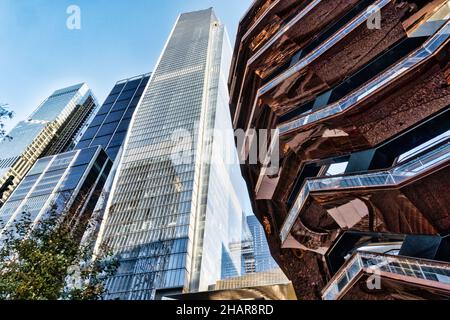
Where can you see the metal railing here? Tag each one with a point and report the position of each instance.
(433, 271)
(391, 177)
(338, 36)
(427, 50)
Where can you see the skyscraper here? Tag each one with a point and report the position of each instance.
(110, 124)
(29, 139)
(74, 181)
(68, 183)
(263, 257)
(171, 213)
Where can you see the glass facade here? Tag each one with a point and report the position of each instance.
(263, 258)
(30, 138)
(62, 181)
(110, 125)
(168, 221)
(253, 251)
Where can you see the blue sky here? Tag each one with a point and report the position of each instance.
(118, 39)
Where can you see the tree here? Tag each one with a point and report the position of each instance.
(4, 114)
(47, 262)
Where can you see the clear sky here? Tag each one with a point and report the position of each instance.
(118, 39)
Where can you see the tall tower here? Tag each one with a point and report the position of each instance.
(170, 213)
(50, 128)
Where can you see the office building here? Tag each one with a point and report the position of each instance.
(79, 186)
(68, 184)
(358, 94)
(51, 127)
(109, 127)
(262, 256)
(253, 250)
(173, 210)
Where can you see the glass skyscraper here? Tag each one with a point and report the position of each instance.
(68, 183)
(263, 258)
(29, 139)
(169, 219)
(74, 181)
(110, 124)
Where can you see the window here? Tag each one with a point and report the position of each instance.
(73, 178)
(105, 109)
(118, 138)
(98, 120)
(120, 105)
(101, 141)
(83, 144)
(114, 117)
(112, 152)
(108, 129)
(123, 126)
(85, 156)
(90, 133)
(132, 85)
(129, 113)
(127, 95)
(117, 89)
(111, 99)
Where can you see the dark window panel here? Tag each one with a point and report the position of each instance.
(98, 120)
(73, 178)
(135, 101)
(132, 85)
(108, 129)
(124, 125)
(101, 141)
(90, 133)
(85, 156)
(120, 105)
(126, 95)
(112, 152)
(111, 98)
(129, 113)
(114, 116)
(117, 89)
(118, 139)
(105, 109)
(84, 144)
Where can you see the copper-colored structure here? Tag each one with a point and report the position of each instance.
(359, 94)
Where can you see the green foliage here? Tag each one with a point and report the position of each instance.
(46, 262)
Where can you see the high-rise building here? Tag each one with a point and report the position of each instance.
(110, 124)
(173, 209)
(108, 129)
(68, 184)
(253, 250)
(263, 258)
(53, 125)
(358, 96)
(74, 181)
(66, 137)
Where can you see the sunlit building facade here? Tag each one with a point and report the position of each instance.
(65, 184)
(54, 123)
(74, 182)
(172, 210)
(358, 95)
